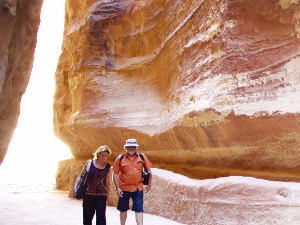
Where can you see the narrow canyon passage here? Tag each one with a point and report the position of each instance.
(210, 89)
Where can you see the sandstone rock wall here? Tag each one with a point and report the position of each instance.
(19, 22)
(209, 88)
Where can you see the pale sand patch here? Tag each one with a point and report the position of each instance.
(39, 205)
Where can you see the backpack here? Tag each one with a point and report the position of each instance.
(145, 174)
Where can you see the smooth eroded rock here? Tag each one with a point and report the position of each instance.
(229, 200)
(209, 84)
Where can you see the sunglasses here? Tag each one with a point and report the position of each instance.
(131, 147)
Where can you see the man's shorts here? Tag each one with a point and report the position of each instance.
(137, 200)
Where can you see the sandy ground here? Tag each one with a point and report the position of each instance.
(40, 204)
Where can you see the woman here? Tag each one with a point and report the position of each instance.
(97, 188)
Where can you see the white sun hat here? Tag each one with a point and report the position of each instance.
(131, 142)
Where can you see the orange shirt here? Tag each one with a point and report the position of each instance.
(130, 172)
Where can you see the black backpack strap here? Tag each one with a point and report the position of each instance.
(121, 157)
(89, 164)
(140, 154)
(142, 157)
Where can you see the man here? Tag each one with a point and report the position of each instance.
(127, 177)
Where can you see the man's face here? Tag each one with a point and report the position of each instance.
(131, 150)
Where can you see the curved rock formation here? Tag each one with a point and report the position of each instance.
(229, 200)
(208, 88)
(19, 22)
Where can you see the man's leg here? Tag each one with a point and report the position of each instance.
(139, 218)
(123, 217)
(123, 206)
(137, 207)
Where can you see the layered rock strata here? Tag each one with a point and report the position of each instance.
(19, 22)
(208, 88)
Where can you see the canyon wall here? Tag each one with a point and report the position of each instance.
(208, 88)
(19, 22)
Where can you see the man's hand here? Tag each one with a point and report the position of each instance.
(115, 179)
(147, 188)
(120, 192)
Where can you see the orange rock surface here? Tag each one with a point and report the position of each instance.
(208, 88)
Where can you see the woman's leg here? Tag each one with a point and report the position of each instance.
(101, 210)
(88, 205)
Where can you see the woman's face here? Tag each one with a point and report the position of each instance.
(102, 156)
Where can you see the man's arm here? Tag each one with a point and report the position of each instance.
(148, 165)
(148, 187)
(116, 183)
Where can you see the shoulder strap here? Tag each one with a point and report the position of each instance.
(89, 163)
(141, 156)
(121, 157)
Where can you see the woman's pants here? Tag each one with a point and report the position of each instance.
(92, 204)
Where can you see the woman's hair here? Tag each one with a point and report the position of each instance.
(102, 148)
